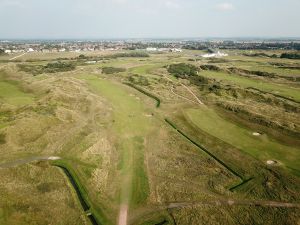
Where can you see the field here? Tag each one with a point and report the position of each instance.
(126, 141)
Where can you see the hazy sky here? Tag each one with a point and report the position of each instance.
(148, 18)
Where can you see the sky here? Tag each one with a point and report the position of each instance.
(26, 19)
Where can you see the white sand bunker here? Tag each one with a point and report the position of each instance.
(271, 162)
(53, 158)
(256, 134)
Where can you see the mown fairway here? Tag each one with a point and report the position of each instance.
(130, 126)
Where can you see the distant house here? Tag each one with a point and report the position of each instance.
(91, 62)
(163, 49)
(62, 50)
(8, 51)
(176, 50)
(30, 50)
(151, 49)
(45, 50)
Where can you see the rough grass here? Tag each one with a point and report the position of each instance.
(37, 194)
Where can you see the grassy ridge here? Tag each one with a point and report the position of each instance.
(281, 90)
(261, 147)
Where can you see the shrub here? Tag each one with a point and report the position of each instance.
(130, 54)
(290, 56)
(2, 138)
(210, 67)
(49, 68)
(183, 70)
(58, 67)
(139, 80)
(111, 70)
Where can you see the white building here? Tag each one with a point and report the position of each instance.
(30, 50)
(8, 51)
(176, 50)
(215, 55)
(151, 49)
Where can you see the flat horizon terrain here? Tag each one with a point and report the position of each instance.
(132, 137)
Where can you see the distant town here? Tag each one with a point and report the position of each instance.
(151, 45)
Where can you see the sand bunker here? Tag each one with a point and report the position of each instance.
(271, 162)
(256, 134)
(54, 158)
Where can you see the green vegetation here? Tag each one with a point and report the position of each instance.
(130, 54)
(290, 56)
(112, 70)
(2, 138)
(11, 93)
(53, 67)
(139, 80)
(183, 70)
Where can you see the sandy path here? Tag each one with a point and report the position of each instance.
(187, 88)
(187, 99)
(126, 188)
(123, 215)
(20, 162)
(18, 56)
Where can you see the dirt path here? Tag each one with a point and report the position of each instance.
(126, 188)
(187, 88)
(18, 56)
(123, 215)
(20, 162)
(180, 96)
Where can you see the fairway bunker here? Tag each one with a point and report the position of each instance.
(272, 162)
(256, 134)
